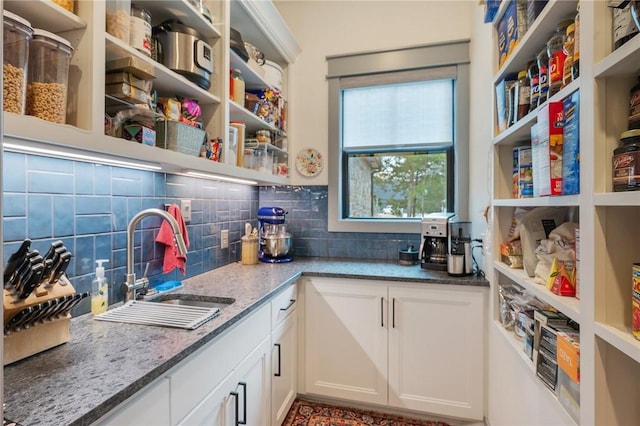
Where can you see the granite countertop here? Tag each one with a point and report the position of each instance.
(105, 363)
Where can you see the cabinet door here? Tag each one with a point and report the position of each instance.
(149, 406)
(436, 351)
(251, 389)
(283, 368)
(346, 340)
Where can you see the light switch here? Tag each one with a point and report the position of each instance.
(224, 238)
(185, 209)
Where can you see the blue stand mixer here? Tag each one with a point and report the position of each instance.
(274, 240)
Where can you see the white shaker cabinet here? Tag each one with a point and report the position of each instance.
(284, 354)
(411, 346)
(346, 339)
(436, 359)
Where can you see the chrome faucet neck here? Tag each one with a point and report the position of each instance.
(131, 284)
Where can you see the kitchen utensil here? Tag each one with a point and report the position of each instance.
(183, 50)
(15, 260)
(16, 319)
(274, 240)
(39, 311)
(33, 281)
(60, 268)
(409, 256)
(237, 44)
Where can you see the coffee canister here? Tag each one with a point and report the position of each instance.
(626, 162)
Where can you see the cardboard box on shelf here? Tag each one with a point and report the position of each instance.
(508, 33)
(547, 151)
(522, 172)
(571, 145)
(568, 353)
(503, 107)
(546, 318)
(568, 393)
(140, 134)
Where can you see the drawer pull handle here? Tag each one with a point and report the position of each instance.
(393, 313)
(244, 408)
(382, 312)
(279, 373)
(291, 302)
(235, 396)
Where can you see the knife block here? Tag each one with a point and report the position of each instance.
(37, 338)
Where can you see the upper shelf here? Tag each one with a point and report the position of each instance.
(261, 25)
(252, 79)
(182, 11)
(621, 62)
(37, 133)
(166, 81)
(555, 201)
(46, 15)
(536, 37)
(521, 130)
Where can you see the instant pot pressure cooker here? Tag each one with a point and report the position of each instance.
(183, 50)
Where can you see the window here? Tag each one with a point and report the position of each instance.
(398, 123)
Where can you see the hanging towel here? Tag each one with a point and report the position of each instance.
(173, 259)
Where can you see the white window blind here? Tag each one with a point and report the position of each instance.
(397, 110)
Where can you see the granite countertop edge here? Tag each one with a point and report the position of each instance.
(105, 389)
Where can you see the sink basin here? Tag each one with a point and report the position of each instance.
(188, 311)
(194, 300)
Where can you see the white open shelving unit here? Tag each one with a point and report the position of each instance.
(610, 355)
(84, 131)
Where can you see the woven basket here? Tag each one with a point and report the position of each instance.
(179, 137)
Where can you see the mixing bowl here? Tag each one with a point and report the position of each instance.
(277, 245)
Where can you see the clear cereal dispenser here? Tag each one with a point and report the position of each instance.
(49, 57)
(16, 32)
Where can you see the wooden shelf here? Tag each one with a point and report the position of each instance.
(622, 62)
(618, 199)
(556, 201)
(620, 338)
(180, 10)
(46, 15)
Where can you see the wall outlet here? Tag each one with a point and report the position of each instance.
(224, 238)
(185, 209)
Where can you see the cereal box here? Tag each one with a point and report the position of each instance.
(547, 155)
(571, 145)
(507, 32)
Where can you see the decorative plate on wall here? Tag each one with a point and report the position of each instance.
(309, 162)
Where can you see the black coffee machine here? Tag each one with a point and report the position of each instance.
(435, 241)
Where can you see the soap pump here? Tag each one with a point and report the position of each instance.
(99, 290)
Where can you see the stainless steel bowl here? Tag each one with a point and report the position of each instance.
(277, 245)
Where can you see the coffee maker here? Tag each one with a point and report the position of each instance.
(434, 247)
(273, 238)
(459, 261)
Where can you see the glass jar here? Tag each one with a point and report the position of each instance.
(557, 56)
(634, 106)
(263, 136)
(117, 18)
(140, 30)
(534, 87)
(568, 48)
(522, 95)
(238, 87)
(575, 66)
(49, 56)
(623, 27)
(626, 162)
(543, 73)
(17, 33)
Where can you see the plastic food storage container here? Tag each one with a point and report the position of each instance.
(49, 56)
(16, 32)
(117, 19)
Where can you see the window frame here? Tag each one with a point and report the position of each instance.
(455, 53)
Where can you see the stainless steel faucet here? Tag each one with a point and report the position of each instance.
(131, 284)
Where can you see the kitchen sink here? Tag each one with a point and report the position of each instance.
(188, 311)
(194, 300)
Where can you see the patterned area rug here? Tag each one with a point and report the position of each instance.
(310, 413)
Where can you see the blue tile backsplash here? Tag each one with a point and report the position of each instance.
(88, 207)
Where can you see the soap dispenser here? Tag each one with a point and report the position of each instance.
(99, 290)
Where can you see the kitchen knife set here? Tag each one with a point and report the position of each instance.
(42, 312)
(26, 269)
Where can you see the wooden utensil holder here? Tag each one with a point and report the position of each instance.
(40, 337)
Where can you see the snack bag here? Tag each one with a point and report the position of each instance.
(560, 280)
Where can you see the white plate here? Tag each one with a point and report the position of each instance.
(309, 162)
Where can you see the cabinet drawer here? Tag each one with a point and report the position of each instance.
(200, 373)
(283, 304)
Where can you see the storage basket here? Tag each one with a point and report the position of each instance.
(179, 137)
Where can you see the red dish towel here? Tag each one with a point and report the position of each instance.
(173, 259)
